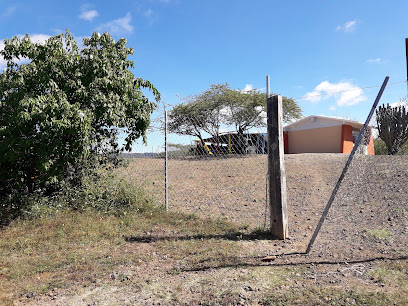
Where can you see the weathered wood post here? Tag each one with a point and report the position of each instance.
(276, 166)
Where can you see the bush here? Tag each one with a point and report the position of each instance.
(101, 193)
(61, 113)
(381, 148)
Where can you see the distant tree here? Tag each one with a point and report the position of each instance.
(199, 113)
(291, 110)
(392, 124)
(188, 119)
(212, 102)
(247, 109)
(244, 110)
(220, 104)
(63, 108)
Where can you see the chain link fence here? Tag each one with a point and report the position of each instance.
(369, 215)
(223, 176)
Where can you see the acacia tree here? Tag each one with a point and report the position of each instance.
(247, 109)
(244, 110)
(187, 119)
(199, 113)
(64, 107)
(291, 110)
(220, 104)
(211, 103)
(392, 124)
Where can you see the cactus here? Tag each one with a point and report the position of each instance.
(392, 124)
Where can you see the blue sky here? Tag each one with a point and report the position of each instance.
(182, 46)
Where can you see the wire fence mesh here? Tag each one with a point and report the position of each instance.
(223, 176)
(369, 216)
(219, 177)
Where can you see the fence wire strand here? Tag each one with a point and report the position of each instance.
(224, 177)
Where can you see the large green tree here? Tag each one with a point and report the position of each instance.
(64, 107)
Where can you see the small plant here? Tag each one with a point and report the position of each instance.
(381, 233)
(394, 273)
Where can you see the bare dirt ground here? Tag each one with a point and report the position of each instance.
(371, 203)
(362, 247)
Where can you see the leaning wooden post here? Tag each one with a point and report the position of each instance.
(276, 166)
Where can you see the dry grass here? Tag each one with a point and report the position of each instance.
(39, 255)
(151, 257)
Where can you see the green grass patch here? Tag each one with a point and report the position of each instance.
(393, 273)
(380, 233)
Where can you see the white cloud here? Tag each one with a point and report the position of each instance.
(313, 96)
(9, 11)
(148, 13)
(36, 38)
(349, 26)
(88, 15)
(375, 61)
(332, 108)
(399, 103)
(345, 93)
(118, 26)
(248, 87)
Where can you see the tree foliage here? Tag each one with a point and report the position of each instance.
(392, 124)
(199, 113)
(188, 119)
(64, 107)
(222, 105)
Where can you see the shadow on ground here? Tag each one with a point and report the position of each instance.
(256, 235)
(256, 262)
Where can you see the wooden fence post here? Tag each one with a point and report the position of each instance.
(276, 167)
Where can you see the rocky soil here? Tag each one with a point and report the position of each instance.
(362, 246)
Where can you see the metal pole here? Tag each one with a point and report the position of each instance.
(406, 55)
(268, 92)
(336, 188)
(166, 199)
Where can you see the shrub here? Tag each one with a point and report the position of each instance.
(102, 193)
(62, 111)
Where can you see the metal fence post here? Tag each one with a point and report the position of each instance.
(166, 199)
(276, 166)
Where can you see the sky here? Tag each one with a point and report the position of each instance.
(310, 49)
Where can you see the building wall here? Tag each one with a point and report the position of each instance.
(320, 140)
(370, 146)
(286, 142)
(346, 139)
